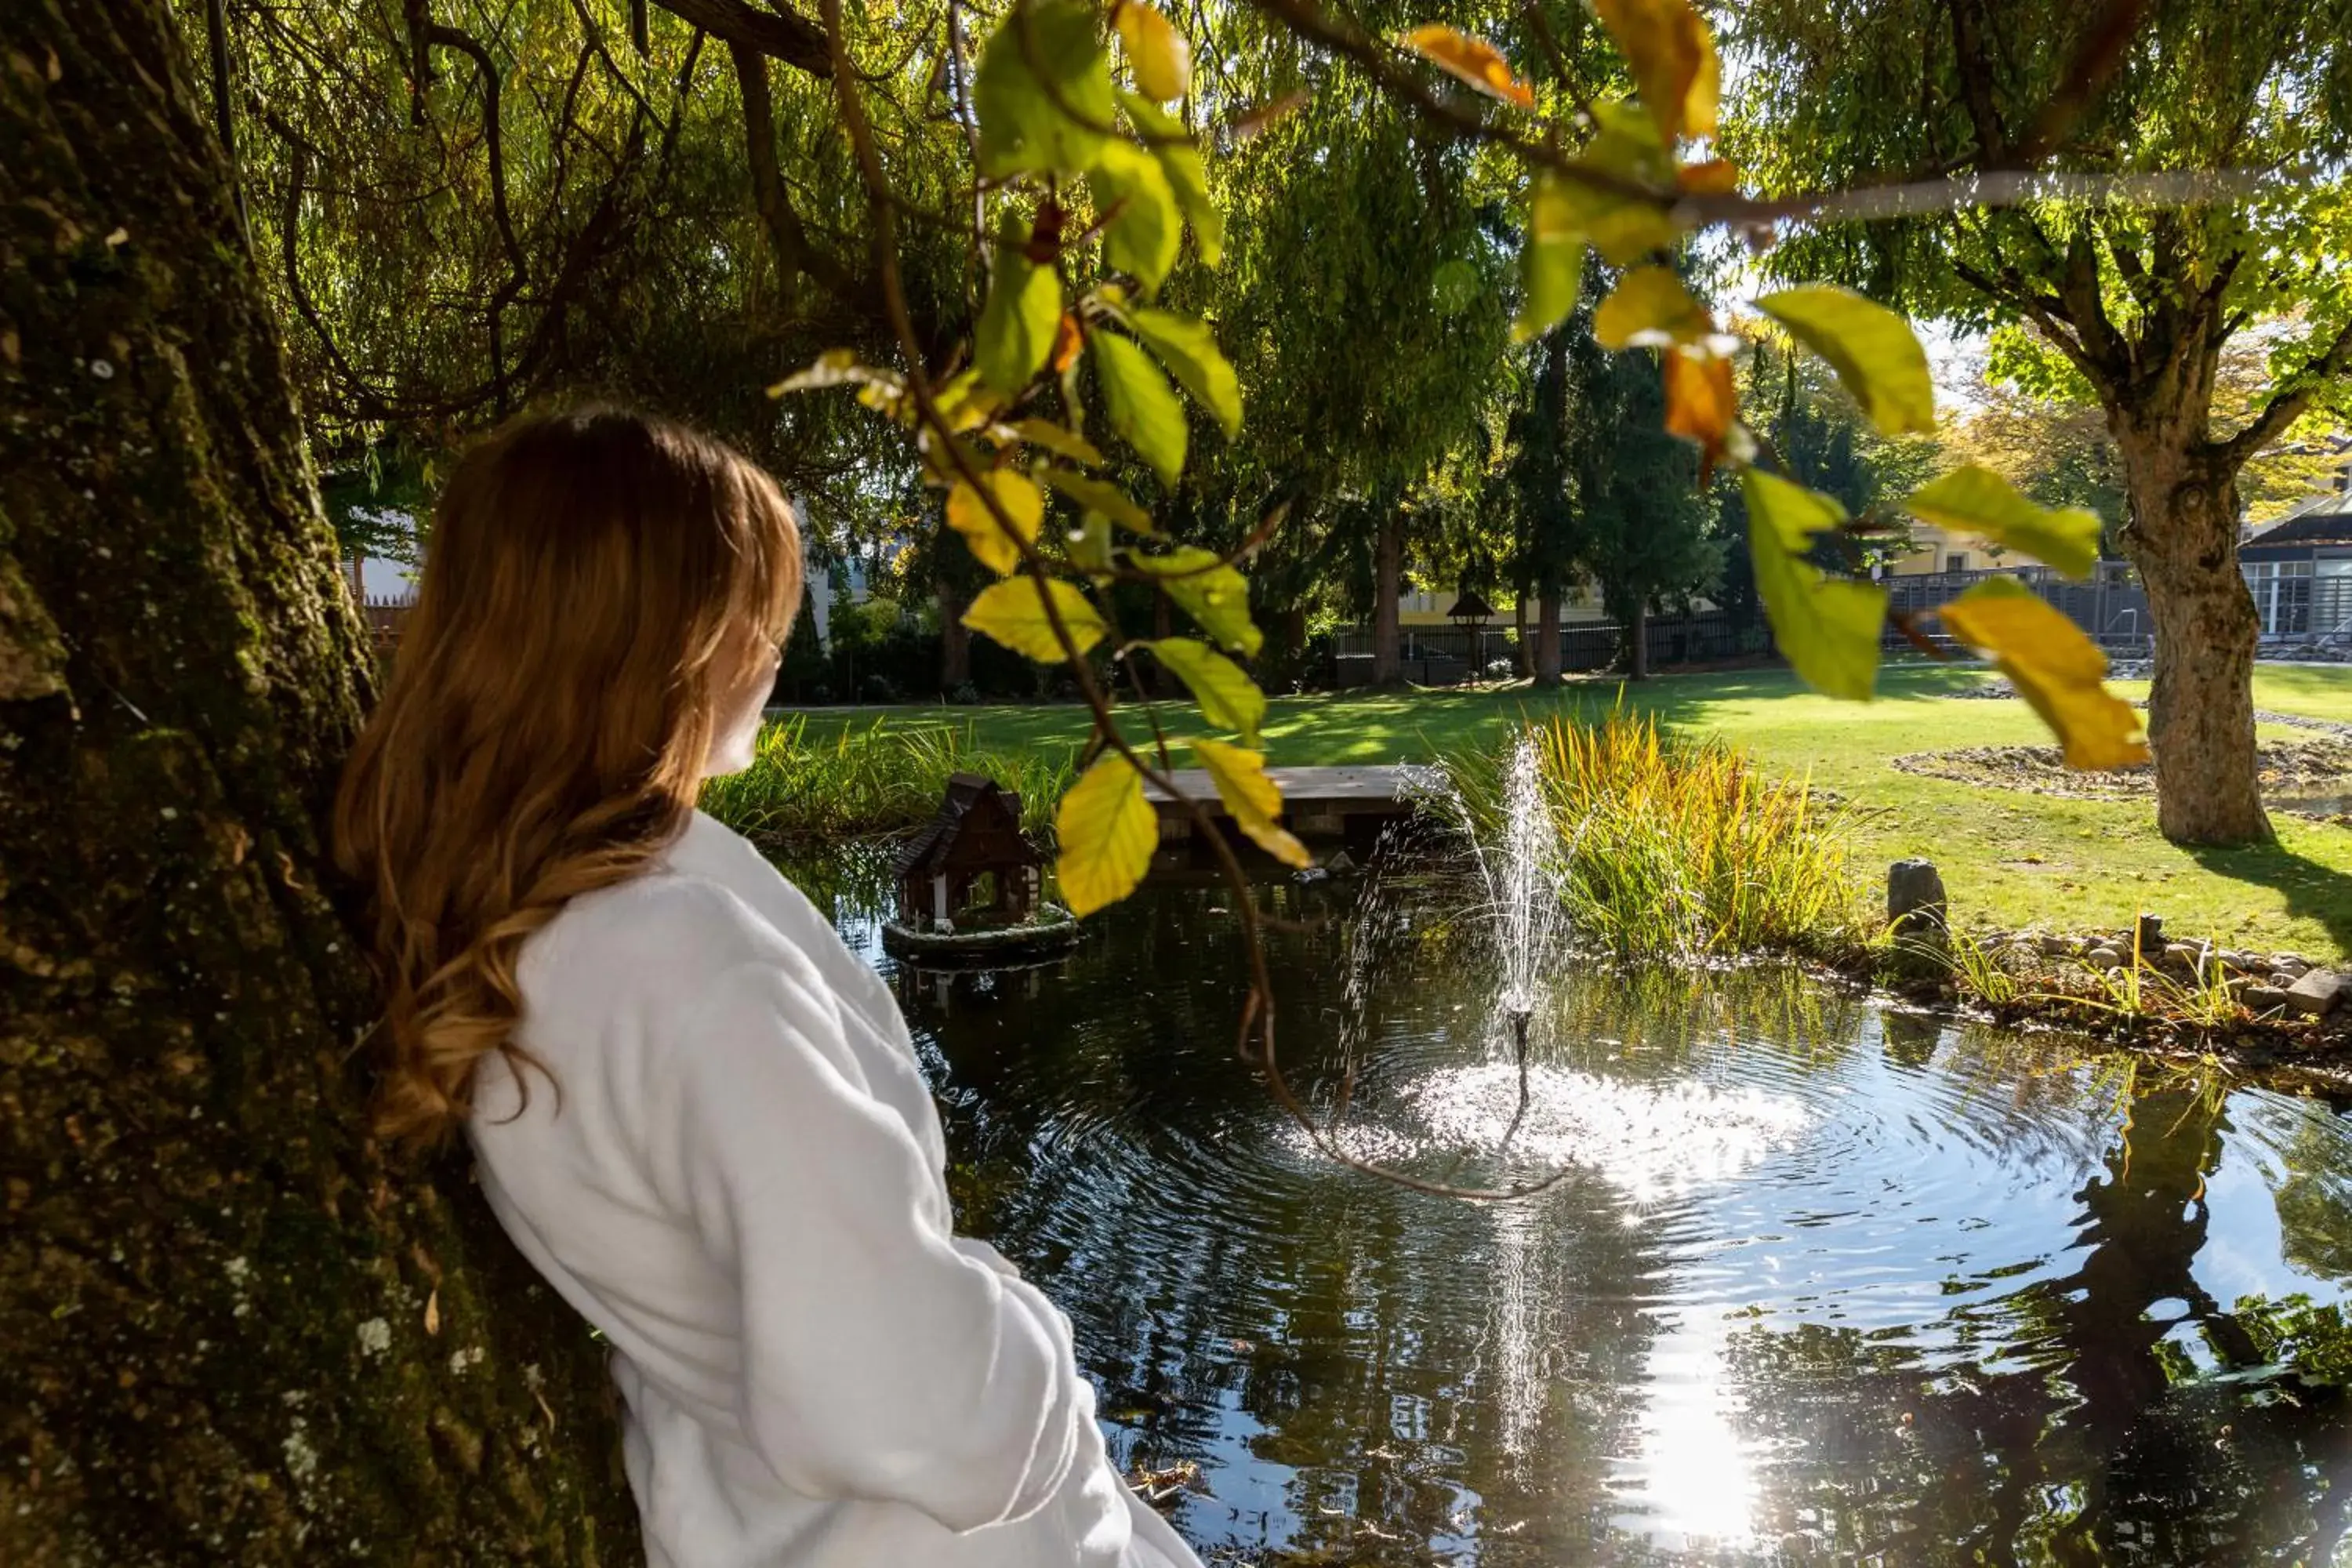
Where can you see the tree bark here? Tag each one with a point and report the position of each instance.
(1637, 648)
(1548, 642)
(234, 1332)
(955, 638)
(1388, 586)
(1523, 662)
(2183, 539)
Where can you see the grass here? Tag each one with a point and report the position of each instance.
(833, 781)
(2009, 859)
(1680, 844)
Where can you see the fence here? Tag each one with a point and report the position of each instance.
(2110, 607)
(1449, 656)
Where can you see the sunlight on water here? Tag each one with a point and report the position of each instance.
(1692, 1478)
(1650, 1141)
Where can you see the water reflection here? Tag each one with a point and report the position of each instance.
(1825, 1284)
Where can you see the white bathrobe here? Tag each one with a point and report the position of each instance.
(737, 1175)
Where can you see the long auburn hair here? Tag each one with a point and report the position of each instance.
(548, 718)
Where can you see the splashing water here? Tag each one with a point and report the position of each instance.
(1521, 883)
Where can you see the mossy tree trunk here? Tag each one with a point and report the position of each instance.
(230, 1329)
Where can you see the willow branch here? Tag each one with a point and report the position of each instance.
(794, 252)
(777, 33)
(494, 148)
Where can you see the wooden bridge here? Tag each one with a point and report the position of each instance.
(1345, 803)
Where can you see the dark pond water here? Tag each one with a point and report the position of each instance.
(1826, 1283)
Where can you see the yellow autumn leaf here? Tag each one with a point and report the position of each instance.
(1702, 404)
(2057, 670)
(983, 534)
(1674, 60)
(1155, 52)
(1106, 832)
(1650, 309)
(1254, 799)
(1474, 61)
(1013, 613)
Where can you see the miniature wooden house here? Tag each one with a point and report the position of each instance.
(970, 860)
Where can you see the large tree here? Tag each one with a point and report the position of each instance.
(2139, 300)
(235, 1332)
(1644, 533)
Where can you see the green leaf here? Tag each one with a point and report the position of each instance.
(1089, 546)
(1623, 228)
(1874, 350)
(1650, 309)
(1059, 440)
(2055, 667)
(1189, 350)
(1226, 696)
(1022, 128)
(1143, 406)
(1827, 627)
(1016, 324)
(1974, 500)
(1254, 799)
(1143, 236)
(1210, 592)
(1180, 160)
(969, 515)
(1106, 832)
(1013, 613)
(1551, 266)
(1155, 52)
(1099, 495)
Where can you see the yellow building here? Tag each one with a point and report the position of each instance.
(1942, 549)
(1434, 607)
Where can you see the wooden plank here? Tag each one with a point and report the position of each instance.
(1305, 791)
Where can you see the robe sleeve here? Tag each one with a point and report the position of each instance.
(883, 1358)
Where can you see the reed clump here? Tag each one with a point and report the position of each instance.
(1669, 846)
(877, 778)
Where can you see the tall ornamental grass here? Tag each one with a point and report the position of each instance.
(876, 779)
(1667, 846)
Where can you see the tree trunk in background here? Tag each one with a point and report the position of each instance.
(1289, 644)
(2183, 538)
(1387, 585)
(1523, 662)
(1637, 648)
(1548, 639)
(955, 637)
(233, 1333)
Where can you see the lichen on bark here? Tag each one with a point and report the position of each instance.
(231, 1329)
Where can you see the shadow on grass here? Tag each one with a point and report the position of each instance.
(2312, 891)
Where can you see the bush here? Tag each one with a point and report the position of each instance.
(1670, 847)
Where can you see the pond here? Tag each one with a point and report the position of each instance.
(1823, 1282)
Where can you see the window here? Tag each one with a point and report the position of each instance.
(1957, 561)
(2281, 590)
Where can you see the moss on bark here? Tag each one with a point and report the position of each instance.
(230, 1329)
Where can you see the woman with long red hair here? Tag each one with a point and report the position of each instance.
(690, 1105)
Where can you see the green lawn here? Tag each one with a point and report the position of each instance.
(2009, 858)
